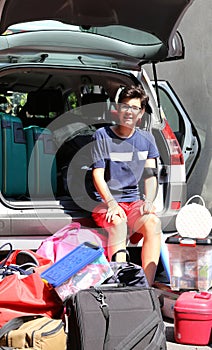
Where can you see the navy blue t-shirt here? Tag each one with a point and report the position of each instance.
(123, 160)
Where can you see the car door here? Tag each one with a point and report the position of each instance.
(148, 28)
(181, 124)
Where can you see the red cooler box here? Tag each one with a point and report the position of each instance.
(193, 318)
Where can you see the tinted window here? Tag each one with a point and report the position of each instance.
(173, 115)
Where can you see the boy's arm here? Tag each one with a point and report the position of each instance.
(101, 185)
(150, 185)
(104, 192)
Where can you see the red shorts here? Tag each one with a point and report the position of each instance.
(132, 210)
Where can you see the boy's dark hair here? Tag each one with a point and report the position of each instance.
(134, 92)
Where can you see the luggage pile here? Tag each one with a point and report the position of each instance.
(188, 299)
(68, 296)
(29, 150)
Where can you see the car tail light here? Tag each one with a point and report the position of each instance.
(174, 147)
(175, 205)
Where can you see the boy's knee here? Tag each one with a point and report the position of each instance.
(157, 223)
(117, 226)
(118, 221)
(155, 219)
(153, 224)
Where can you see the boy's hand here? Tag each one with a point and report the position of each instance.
(113, 210)
(148, 207)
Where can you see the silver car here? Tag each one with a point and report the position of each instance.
(59, 82)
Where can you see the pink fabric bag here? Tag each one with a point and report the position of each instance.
(66, 239)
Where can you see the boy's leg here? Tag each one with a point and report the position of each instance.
(117, 231)
(117, 235)
(151, 231)
(149, 227)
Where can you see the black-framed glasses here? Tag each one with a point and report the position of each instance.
(125, 108)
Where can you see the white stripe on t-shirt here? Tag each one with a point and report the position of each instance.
(142, 155)
(121, 157)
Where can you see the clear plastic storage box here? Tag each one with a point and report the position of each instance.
(190, 262)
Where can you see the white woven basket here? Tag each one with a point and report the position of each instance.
(194, 220)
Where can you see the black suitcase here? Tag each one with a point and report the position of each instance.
(115, 318)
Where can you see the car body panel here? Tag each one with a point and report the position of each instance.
(160, 18)
(151, 23)
(107, 52)
(91, 48)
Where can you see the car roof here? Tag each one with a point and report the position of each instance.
(148, 23)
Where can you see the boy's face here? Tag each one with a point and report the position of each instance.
(127, 116)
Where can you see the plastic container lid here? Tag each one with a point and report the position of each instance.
(70, 264)
(177, 239)
(195, 303)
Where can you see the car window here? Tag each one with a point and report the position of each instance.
(13, 102)
(173, 115)
(169, 110)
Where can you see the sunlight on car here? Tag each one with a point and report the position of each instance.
(40, 25)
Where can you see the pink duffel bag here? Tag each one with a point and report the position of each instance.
(66, 239)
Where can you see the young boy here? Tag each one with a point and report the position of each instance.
(120, 154)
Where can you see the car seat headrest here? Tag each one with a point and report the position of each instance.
(94, 106)
(93, 98)
(44, 101)
(3, 100)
